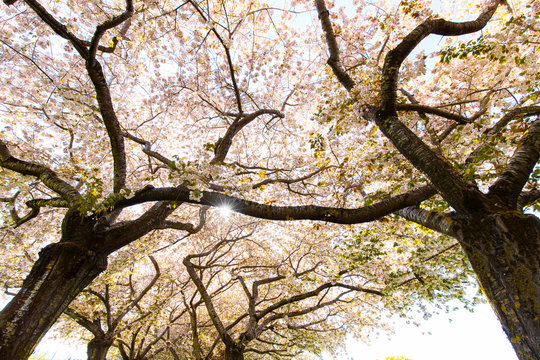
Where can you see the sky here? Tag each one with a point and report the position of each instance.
(469, 336)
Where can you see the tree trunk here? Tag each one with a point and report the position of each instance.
(62, 271)
(234, 353)
(98, 348)
(504, 252)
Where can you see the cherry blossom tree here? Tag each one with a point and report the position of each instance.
(268, 299)
(269, 306)
(118, 117)
(112, 320)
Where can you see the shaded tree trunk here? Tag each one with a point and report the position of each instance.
(234, 353)
(62, 271)
(98, 348)
(504, 252)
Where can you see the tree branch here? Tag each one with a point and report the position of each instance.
(525, 111)
(395, 57)
(223, 144)
(227, 54)
(212, 313)
(441, 174)
(46, 175)
(147, 149)
(270, 212)
(290, 181)
(334, 59)
(528, 198)
(123, 233)
(86, 323)
(109, 24)
(112, 125)
(460, 195)
(98, 79)
(434, 111)
(58, 27)
(35, 207)
(296, 298)
(135, 301)
(439, 222)
(511, 182)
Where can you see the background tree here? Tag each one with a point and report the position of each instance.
(272, 303)
(106, 325)
(303, 305)
(217, 115)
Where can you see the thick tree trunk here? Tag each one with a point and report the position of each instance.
(504, 251)
(98, 348)
(62, 271)
(234, 353)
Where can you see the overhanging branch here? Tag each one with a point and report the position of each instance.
(223, 145)
(395, 57)
(271, 212)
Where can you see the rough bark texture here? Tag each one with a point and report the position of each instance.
(503, 250)
(61, 273)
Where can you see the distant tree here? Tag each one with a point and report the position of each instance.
(107, 324)
(270, 307)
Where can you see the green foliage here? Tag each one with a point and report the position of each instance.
(93, 193)
(317, 144)
(477, 47)
(482, 48)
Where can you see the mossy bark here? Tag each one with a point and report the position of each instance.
(504, 251)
